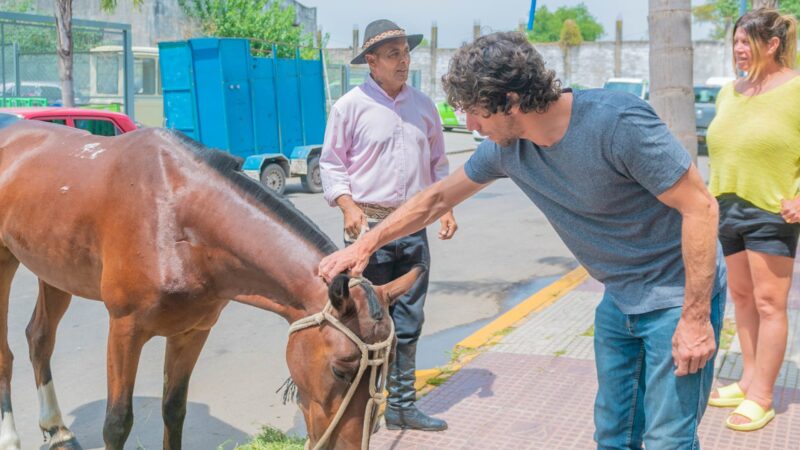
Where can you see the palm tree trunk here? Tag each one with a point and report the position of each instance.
(63, 10)
(671, 67)
(765, 4)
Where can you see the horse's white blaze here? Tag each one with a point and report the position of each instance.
(9, 439)
(49, 412)
(64, 189)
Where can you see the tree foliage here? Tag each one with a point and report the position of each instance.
(722, 14)
(263, 21)
(570, 34)
(42, 39)
(548, 25)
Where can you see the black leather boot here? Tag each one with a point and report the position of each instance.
(401, 414)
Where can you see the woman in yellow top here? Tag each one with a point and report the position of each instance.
(754, 154)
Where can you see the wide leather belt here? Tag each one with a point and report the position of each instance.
(373, 211)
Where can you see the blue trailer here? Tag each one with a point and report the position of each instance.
(268, 110)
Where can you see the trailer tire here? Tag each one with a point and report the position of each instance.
(273, 177)
(312, 182)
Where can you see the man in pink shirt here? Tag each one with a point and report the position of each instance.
(383, 144)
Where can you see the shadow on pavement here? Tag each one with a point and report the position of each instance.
(201, 430)
(466, 383)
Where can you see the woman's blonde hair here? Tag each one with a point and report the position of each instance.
(762, 24)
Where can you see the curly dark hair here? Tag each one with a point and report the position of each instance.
(483, 73)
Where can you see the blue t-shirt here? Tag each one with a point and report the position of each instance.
(598, 189)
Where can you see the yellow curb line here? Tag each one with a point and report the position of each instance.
(489, 334)
(535, 302)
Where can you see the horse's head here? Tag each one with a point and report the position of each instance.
(343, 353)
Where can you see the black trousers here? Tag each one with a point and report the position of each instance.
(392, 261)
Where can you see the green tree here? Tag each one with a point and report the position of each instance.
(263, 21)
(65, 45)
(548, 25)
(722, 14)
(570, 35)
(31, 39)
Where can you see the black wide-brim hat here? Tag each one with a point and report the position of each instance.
(380, 31)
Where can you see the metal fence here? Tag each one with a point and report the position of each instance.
(29, 63)
(343, 77)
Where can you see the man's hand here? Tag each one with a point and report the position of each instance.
(354, 257)
(790, 210)
(693, 345)
(354, 221)
(354, 218)
(449, 226)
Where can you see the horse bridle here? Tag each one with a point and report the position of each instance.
(375, 356)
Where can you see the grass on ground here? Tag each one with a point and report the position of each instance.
(727, 334)
(273, 439)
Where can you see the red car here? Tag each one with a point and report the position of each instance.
(103, 123)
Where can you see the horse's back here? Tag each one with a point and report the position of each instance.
(71, 202)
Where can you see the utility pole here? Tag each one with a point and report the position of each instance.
(434, 45)
(618, 48)
(355, 41)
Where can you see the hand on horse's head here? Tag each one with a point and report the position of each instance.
(340, 295)
(353, 259)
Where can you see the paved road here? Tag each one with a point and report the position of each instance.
(504, 250)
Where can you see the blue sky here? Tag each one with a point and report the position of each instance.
(456, 18)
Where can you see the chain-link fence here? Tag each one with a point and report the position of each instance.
(29, 73)
(343, 77)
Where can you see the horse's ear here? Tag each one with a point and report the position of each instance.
(401, 285)
(339, 292)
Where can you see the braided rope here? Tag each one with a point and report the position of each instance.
(386, 34)
(379, 361)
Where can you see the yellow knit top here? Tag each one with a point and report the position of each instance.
(754, 145)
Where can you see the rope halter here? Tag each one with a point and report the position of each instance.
(375, 356)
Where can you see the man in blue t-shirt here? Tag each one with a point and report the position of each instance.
(626, 199)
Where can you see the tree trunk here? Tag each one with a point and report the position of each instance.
(671, 92)
(64, 49)
(765, 4)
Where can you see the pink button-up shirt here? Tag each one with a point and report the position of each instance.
(379, 149)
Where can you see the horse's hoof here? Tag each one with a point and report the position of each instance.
(71, 444)
(63, 439)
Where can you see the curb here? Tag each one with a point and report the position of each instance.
(494, 331)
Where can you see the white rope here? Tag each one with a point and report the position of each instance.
(380, 361)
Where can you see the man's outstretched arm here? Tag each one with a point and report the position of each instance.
(414, 215)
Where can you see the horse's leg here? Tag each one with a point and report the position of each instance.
(9, 439)
(41, 332)
(182, 353)
(125, 342)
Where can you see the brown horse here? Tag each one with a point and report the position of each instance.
(165, 231)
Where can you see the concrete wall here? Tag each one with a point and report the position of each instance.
(158, 20)
(590, 63)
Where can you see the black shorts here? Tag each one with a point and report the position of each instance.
(743, 225)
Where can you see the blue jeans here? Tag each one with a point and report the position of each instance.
(639, 398)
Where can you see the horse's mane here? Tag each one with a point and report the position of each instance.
(230, 166)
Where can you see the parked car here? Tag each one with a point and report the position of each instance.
(451, 117)
(705, 99)
(40, 89)
(99, 122)
(636, 86)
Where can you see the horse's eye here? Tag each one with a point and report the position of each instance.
(342, 375)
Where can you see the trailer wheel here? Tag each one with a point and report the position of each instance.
(313, 181)
(274, 177)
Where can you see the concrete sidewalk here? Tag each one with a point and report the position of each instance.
(532, 386)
